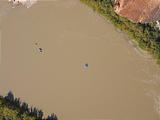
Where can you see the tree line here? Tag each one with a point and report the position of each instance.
(22, 109)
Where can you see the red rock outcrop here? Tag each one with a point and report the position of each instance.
(143, 11)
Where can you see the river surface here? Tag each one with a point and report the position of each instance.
(120, 83)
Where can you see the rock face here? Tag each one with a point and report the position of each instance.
(143, 11)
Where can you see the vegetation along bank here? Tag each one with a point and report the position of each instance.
(146, 35)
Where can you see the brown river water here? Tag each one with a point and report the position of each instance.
(121, 82)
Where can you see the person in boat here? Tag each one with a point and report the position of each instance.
(86, 66)
(41, 50)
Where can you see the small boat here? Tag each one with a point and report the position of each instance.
(41, 50)
(86, 65)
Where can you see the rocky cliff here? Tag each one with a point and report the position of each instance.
(143, 11)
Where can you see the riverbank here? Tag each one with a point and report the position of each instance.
(56, 80)
(14, 109)
(146, 36)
